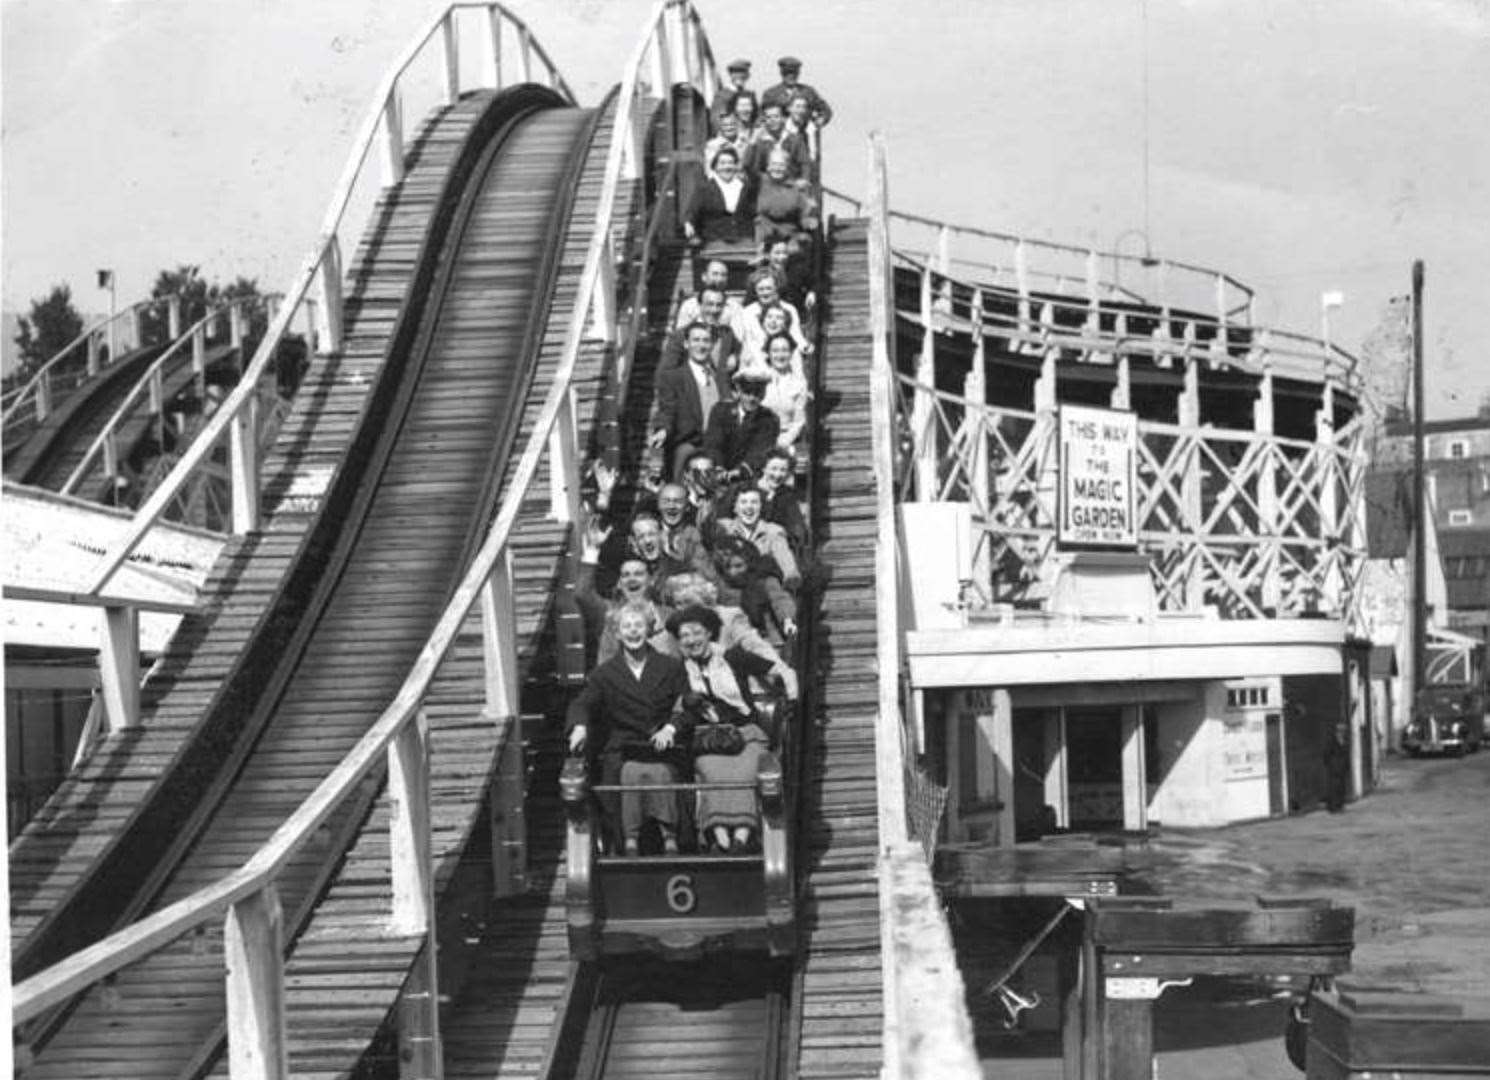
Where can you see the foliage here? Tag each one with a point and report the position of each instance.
(51, 325)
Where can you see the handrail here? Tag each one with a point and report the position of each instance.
(324, 261)
(37, 388)
(149, 382)
(1231, 299)
(486, 579)
(1268, 348)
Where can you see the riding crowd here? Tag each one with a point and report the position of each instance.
(691, 602)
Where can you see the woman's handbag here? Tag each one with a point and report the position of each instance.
(723, 739)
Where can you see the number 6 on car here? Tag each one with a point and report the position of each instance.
(680, 895)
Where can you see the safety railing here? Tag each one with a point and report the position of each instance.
(509, 55)
(918, 1041)
(1028, 267)
(103, 453)
(97, 347)
(672, 50)
(1086, 329)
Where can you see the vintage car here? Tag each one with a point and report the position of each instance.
(1446, 719)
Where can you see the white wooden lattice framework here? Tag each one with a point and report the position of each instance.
(1249, 523)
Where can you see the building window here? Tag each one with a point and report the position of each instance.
(1246, 697)
(1461, 517)
(1458, 448)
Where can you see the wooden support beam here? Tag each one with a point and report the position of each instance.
(243, 466)
(409, 829)
(563, 464)
(975, 389)
(923, 406)
(450, 51)
(331, 294)
(508, 817)
(1056, 790)
(173, 317)
(1192, 478)
(491, 70)
(1267, 491)
(1135, 779)
(525, 55)
(253, 957)
(499, 639)
(420, 1055)
(999, 732)
(119, 666)
(393, 139)
(92, 359)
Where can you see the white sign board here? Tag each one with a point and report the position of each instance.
(1099, 466)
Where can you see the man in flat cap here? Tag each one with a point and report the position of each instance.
(788, 88)
(724, 101)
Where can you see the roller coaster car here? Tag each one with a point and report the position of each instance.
(682, 906)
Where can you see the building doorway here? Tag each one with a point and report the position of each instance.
(1094, 748)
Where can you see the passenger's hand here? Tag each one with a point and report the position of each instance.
(788, 681)
(662, 739)
(789, 628)
(577, 739)
(596, 535)
(657, 438)
(605, 477)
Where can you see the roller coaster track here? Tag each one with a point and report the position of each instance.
(74, 839)
(430, 446)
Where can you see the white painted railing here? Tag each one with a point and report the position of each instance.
(1037, 324)
(1028, 267)
(918, 1040)
(78, 360)
(150, 387)
(672, 50)
(501, 33)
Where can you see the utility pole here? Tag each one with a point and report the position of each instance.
(1419, 500)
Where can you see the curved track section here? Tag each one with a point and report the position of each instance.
(89, 848)
(416, 501)
(56, 446)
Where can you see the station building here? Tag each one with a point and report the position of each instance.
(1133, 533)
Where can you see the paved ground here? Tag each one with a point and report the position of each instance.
(1410, 857)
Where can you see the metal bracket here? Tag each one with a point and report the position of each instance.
(1139, 988)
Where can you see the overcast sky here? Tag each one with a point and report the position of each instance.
(1301, 145)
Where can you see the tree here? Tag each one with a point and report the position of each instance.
(51, 325)
(196, 295)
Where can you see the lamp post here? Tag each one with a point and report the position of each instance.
(1328, 301)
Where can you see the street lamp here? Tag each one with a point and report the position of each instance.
(1328, 301)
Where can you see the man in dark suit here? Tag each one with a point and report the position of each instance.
(710, 306)
(632, 706)
(685, 396)
(740, 433)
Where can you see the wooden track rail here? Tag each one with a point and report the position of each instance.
(85, 842)
(73, 421)
(407, 535)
